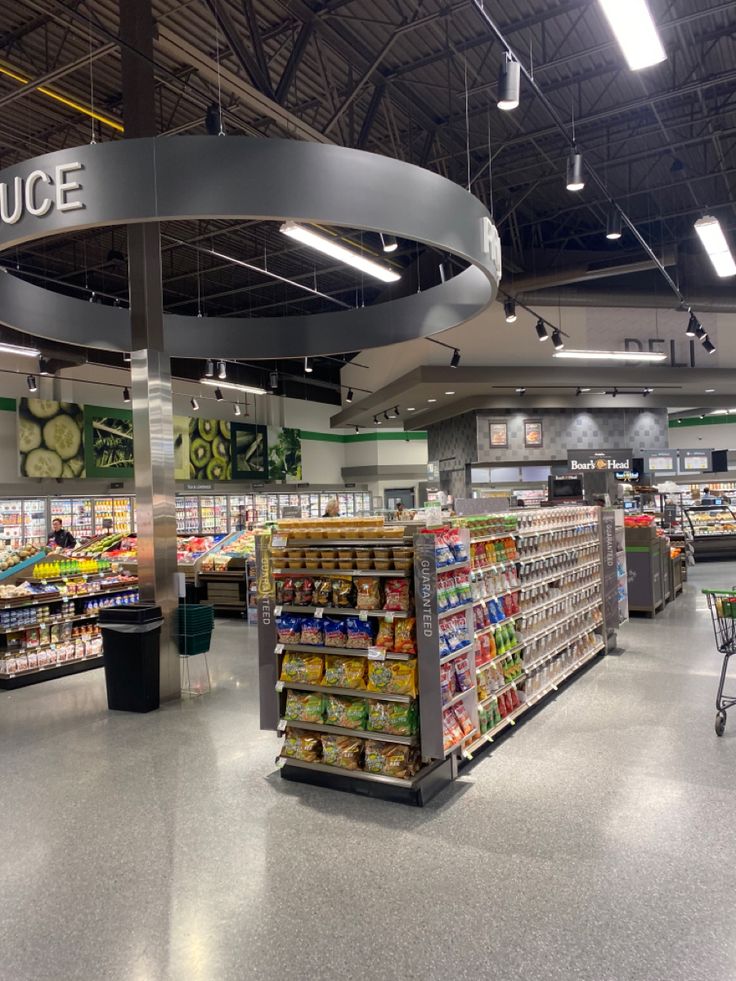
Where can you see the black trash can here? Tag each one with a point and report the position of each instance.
(131, 637)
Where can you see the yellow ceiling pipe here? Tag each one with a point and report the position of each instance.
(77, 106)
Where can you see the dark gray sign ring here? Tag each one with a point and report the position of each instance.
(238, 178)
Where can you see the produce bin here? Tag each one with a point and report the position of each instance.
(131, 639)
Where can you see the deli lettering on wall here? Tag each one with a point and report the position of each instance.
(600, 460)
(39, 192)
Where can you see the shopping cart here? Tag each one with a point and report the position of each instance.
(722, 606)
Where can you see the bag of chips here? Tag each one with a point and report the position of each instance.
(463, 673)
(348, 713)
(397, 718)
(390, 759)
(312, 631)
(464, 720)
(304, 706)
(303, 668)
(303, 592)
(342, 593)
(289, 629)
(301, 745)
(368, 593)
(451, 731)
(322, 592)
(393, 677)
(448, 683)
(404, 636)
(285, 592)
(360, 633)
(397, 595)
(385, 637)
(344, 672)
(335, 631)
(342, 751)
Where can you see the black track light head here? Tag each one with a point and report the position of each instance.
(692, 326)
(209, 368)
(349, 396)
(32, 383)
(194, 404)
(126, 395)
(557, 339)
(542, 330)
(509, 311)
(708, 346)
(218, 394)
(221, 370)
(455, 359)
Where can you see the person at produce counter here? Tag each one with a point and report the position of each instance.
(60, 537)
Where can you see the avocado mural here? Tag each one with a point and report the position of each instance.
(209, 449)
(285, 454)
(50, 438)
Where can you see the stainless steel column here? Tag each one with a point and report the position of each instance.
(150, 366)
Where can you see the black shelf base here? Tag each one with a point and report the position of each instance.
(11, 682)
(436, 779)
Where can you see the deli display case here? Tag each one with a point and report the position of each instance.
(714, 531)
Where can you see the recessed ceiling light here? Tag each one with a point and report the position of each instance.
(431, 400)
(449, 393)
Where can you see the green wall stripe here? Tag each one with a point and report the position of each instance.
(362, 437)
(708, 421)
(7, 405)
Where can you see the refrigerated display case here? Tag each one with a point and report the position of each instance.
(118, 510)
(11, 520)
(213, 514)
(75, 513)
(714, 531)
(187, 515)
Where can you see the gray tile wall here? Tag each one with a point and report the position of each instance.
(466, 439)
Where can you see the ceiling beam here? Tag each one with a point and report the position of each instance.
(57, 73)
(293, 62)
(247, 62)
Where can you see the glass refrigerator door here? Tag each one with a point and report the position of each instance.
(207, 515)
(261, 508)
(113, 515)
(75, 514)
(222, 525)
(34, 521)
(11, 520)
(240, 507)
(187, 515)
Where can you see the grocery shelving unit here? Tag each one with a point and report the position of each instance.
(527, 607)
(51, 631)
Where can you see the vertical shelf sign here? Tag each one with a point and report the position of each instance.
(430, 703)
(267, 658)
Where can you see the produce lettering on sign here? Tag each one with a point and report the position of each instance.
(25, 194)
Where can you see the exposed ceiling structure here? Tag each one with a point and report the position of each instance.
(415, 80)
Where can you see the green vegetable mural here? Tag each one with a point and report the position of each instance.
(285, 455)
(108, 441)
(50, 438)
(209, 449)
(250, 451)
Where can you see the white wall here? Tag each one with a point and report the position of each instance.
(720, 437)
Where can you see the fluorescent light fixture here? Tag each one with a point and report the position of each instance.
(714, 242)
(388, 242)
(26, 352)
(333, 249)
(410, 408)
(636, 33)
(719, 412)
(709, 391)
(509, 83)
(611, 355)
(250, 389)
(449, 393)
(431, 400)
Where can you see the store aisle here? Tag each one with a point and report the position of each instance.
(595, 843)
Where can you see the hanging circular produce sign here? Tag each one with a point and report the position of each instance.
(238, 178)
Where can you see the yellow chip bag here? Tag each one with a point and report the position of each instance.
(344, 672)
(393, 677)
(303, 668)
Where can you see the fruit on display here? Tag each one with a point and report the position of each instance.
(638, 520)
(12, 557)
(59, 568)
(190, 549)
(103, 545)
(50, 438)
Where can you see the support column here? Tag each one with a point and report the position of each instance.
(150, 365)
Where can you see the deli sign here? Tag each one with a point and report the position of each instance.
(580, 460)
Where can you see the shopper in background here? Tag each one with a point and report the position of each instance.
(707, 497)
(399, 510)
(332, 510)
(59, 537)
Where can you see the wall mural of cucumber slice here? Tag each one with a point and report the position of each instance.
(50, 438)
(249, 451)
(209, 449)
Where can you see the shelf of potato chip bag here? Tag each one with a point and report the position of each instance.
(348, 652)
(344, 573)
(330, 611)
(450, 611)
(347, 692)
(385, 737)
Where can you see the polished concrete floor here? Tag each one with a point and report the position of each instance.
(596, 843)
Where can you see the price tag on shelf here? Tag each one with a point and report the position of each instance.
(277, 611)
(279, 541)
(363, 615)
(279, 649)
(389, 618)
(282, 725)
(376, 653)
(319, 612)
(279, 686)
